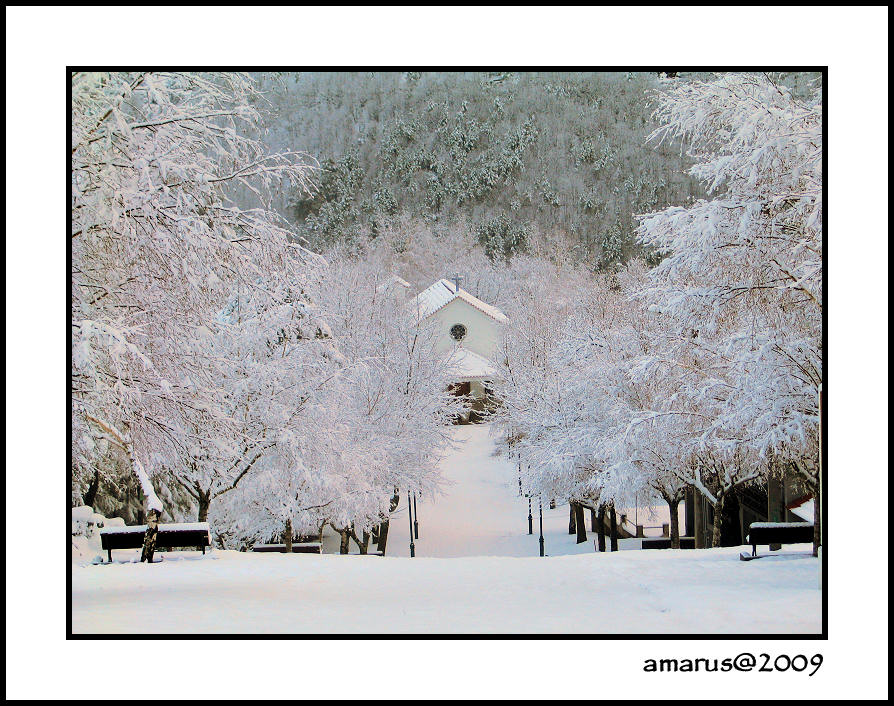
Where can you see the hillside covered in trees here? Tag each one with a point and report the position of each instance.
(503, 151)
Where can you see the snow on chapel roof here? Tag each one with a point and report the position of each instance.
(468, 365)
(442, 292)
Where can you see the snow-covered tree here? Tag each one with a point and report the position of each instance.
(548, 410)
(743, 272)
(274, 359)
(158, 246)
(608, 414)
(393, 397)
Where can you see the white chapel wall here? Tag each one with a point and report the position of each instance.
(483, 332)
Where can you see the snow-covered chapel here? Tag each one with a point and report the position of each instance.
(468, 334)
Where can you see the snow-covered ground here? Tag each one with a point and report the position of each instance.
(695, 591)
(476, 570)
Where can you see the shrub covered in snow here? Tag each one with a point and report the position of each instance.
(85, 525)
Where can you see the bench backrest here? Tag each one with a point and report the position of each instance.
(297, 548)
(170, 535)
(782, 533)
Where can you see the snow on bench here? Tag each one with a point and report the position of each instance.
(169, 527)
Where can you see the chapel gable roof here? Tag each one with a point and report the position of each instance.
(442, 292)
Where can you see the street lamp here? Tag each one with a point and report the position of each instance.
(541, 525)
(410, 515)
(530, 518)
(416, 518)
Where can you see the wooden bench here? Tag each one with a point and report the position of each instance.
(297, 548)
(777, 533)
(665, 543)
(184, 534)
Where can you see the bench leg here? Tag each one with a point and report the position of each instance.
(203, 550)
(753, 550)
(110, 555)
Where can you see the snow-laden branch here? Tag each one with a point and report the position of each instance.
(123, 442)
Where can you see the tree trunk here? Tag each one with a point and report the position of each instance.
(675, 523)
(90, 495)
(817, 518)
(287, 536)
(718, 521)
(204, 504)
(383, 536)
(689, 511)
(818, 486)
(345, 545)
(601, 529)
(579, 523)
(775, 500)
(151, 536)
(698, 515)
(571, 517)
(383, 528)
(364, 545)
(593, 525)
(614, 527)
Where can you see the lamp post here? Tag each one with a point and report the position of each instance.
(818, 521)
(530, 518)
(410, 515)
(541, 525)
(415, 518)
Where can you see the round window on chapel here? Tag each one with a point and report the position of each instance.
(458, 332)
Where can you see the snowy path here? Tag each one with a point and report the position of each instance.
(480, 512)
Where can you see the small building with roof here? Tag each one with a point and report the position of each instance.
(468, 333)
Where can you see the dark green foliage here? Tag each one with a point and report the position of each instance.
(503, 150)
(500, 237)
(612, 247)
